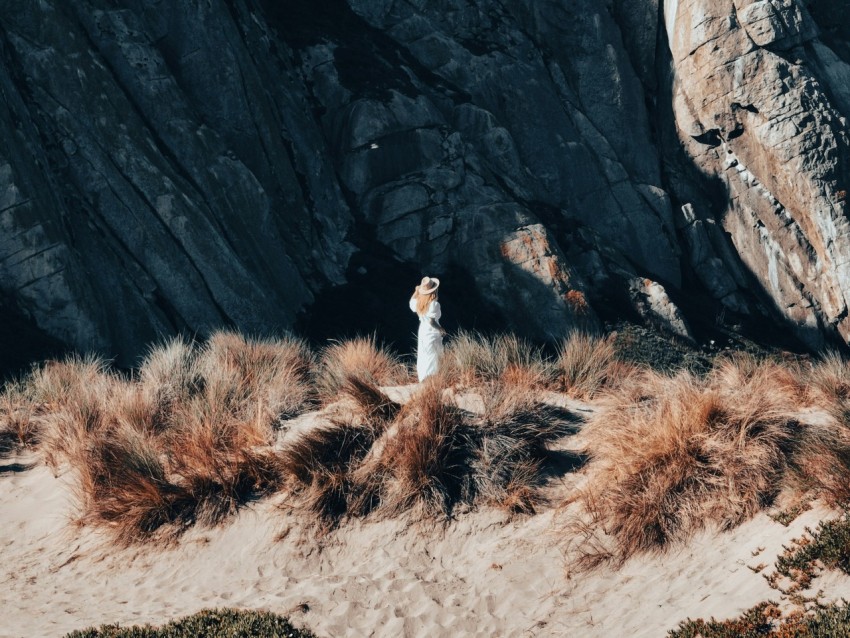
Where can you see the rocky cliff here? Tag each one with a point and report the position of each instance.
(176, 167)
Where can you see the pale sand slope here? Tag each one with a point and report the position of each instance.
(481, 575)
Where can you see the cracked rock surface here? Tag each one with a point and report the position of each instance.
(177, 167)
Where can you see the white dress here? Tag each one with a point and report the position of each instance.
(429, 341)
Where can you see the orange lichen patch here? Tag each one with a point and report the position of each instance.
(840, 196)
(577, 301)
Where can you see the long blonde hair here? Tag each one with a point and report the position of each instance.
(423, 301)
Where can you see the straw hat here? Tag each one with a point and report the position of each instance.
(428, 285)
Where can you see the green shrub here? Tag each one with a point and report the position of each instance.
(209, 623)
(830, 621)
(828, 546)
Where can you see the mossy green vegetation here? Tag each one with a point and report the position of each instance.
(827, 547)
(209, 623)
(765, 619)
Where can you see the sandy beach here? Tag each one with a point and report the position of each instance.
(483, 573)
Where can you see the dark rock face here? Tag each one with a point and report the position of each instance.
(183, 166)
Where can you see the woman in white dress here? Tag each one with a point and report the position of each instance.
(429, 339)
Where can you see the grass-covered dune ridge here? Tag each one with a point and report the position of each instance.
(195, 432)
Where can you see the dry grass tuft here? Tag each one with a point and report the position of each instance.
(72, 395)
(821, 464)
(587, 364)
(168, 376)
(473, 359)
(419, 462)
(124, 485)
(186, 441)
(262, 379)
(321, 464)
(217, 449)
(673, 454)
(373, 404)
(510, 453)
(362, 358)
(829, 386)
(19, 426)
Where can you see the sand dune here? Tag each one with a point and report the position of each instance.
(481, 574)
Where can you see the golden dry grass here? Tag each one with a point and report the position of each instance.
(18, 419)
(472, 359)
(420, 464)
(822, 461)
(671, 455)
(263, 379)
(73, 395)
(361, 357)
(189, 438)
(586, 364)
(509, 454)
(320, 465)
(186, 440)
(123, 485)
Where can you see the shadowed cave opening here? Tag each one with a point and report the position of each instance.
(374, 301)
(22, 343)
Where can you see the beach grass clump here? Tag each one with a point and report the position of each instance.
(473, 359)
(267, 380)
(585, 364)
(510, 454)
(123, 484)
(766, 619)
(73, 395)
(209, 623)
(374, 406)
(321, 465)
(822, 462)
(219, 452)
(186, 440)
(426, 456)
(361, 357)
(137, 482)
(19, 428)
(828, 384)
(168, 376)
(672, 454)
(420, 459)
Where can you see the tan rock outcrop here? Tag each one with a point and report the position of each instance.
(753, 111)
